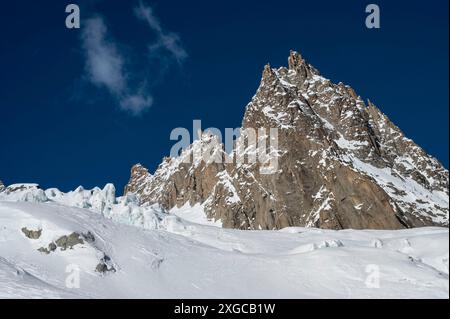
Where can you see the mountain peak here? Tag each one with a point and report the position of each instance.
(340, 164)
(295, 60)
(268, 73)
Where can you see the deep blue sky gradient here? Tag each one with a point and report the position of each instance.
(59, 130)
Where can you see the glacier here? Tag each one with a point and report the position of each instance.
(182, 254)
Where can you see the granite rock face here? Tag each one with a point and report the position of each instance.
(340, 163)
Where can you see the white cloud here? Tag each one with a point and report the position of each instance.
(165, 40)
(136, 103)
(103, 62)
(106, 65)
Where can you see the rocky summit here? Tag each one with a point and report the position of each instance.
(341, 163)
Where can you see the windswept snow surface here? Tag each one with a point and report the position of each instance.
(161, 255)
(194, 214)
(183, 259)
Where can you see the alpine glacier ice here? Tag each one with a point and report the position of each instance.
(125, 250)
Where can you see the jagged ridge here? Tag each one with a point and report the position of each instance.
(342, 164)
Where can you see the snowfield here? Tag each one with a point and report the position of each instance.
(144, 252)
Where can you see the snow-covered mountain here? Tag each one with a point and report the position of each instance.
(224, 229)
(90, 244)
(341, 164)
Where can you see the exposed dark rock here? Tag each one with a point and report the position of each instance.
(101, 267)
(44, 250)
(65, 242)
(341, 164)
(51, 247)
(89, 237)
(105, 265)
(32, 234)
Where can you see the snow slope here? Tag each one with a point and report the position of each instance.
(180, 259)
(195, 214)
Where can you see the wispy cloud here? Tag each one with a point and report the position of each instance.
(106, 67)
(136, 103)
(166, 40)
(103, 61)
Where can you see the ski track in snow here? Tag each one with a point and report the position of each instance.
(185, 259)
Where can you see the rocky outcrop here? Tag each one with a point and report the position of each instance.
(2, 187)
(47, 250)
(67, 242)
(341, 163)
(31, 234)
(105, 265)
(188, 178)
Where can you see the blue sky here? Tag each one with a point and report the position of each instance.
(66, 120)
